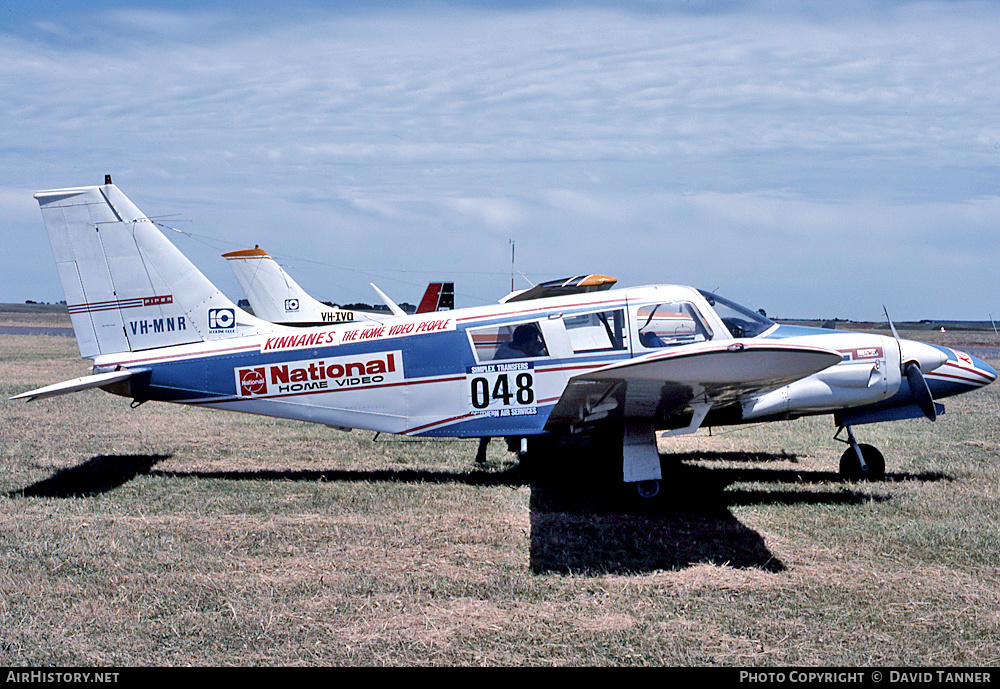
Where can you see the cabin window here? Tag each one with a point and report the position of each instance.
(603, 331)
(514, 341)
(670, 324)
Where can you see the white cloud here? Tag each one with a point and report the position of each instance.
(501, 214)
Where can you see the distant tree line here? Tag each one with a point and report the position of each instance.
(409, 308)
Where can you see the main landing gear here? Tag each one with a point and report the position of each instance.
(859, 462)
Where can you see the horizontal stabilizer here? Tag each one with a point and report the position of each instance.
(76, 385)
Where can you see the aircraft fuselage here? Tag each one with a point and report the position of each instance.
(442, 373)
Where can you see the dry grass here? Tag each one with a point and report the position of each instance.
(172, 536)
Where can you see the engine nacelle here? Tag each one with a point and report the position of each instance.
(869, 373)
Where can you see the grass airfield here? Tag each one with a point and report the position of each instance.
(165, 535)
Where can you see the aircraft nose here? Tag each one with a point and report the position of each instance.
(963, 371)
(984, 370)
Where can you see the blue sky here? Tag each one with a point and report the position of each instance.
(811, 161)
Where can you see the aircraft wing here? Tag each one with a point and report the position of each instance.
(699, 376)
(578, 284)
(97, 380)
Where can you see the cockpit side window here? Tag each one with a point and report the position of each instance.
(670, 324)
(739, 320)
(516, 341)
(596, 332)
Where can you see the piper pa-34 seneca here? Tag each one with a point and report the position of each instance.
(621, 363)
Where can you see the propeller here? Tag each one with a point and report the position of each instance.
(920, 390)
(914, 377)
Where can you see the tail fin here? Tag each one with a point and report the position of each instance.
(128, 288)
(276, 297)
(440, 296)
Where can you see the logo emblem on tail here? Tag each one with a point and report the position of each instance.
(221, 319)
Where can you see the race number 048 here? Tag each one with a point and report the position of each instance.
(501, 389)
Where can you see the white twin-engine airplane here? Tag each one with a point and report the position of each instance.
(628, 362)
(274, 296)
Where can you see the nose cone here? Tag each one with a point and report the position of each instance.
(928, 356)
(986, 369)
(983, 370)
(960, 373)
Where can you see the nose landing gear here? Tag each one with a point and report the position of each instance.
(860, 462)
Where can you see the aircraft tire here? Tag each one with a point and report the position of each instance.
(648, 490)
(850, 467)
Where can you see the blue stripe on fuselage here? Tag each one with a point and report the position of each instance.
(497, 426)
(211, 376)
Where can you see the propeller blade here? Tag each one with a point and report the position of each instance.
(920, 391)
(892, 327)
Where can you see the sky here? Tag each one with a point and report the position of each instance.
(812, 159)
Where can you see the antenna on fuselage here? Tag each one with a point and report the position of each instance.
(393, 307)
(512, 265)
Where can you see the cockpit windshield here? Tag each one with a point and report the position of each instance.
(739, 320)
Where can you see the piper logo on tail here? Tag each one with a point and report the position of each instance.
(320, 375)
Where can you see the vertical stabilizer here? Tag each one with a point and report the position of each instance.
(276, 297)
(439, 296)
(128, 288)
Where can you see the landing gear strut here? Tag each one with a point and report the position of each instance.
(641, 460)
(860, 462)
(484, 443)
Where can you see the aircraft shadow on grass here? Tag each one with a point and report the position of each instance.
(98, 475)
(577, 525)
(593, 531)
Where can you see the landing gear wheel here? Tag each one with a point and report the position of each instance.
(647, 490)
(850, 466)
